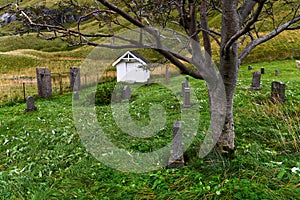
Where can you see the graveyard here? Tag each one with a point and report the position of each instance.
(43, 157)
(110, 125)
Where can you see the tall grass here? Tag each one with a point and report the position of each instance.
(285, 122)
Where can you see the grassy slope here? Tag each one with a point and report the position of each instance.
(42, 156)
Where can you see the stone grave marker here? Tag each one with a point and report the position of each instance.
(298, 63)
(167, 76)
(126, 93)
(187, 98)
(148, 82)
(114, 97)
(250, 67)
(74, 78)
(277, 72)
(186, 81)
(278, 92)
(43, 76)
(75, 95)
(256, 81)
(176, 159)
(182, 88)
(262, 70)
(30, 104)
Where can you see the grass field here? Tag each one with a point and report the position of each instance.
(42, 156)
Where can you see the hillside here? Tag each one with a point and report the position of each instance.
(43, 157)
(37, 51)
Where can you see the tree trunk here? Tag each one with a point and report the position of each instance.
(229, 64)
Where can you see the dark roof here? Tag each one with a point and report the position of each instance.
(139, 56)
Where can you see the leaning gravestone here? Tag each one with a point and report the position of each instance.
(176, 159)
(278, 92)
(43, 76)
(126, 93)
(182, 88)
(74, 78)
(187, 98)
(30, 104)
(256, 81)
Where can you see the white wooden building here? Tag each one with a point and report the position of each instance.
(131, 67)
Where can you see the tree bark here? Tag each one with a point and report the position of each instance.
(229, 64)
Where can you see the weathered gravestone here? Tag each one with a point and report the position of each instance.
(256, 81)
(182, 88)
(250, 67)
(114, 97)
(148, 82)
(262, 70)
(186, 81)
(298, 63)
(30, 104)
(278, 92)
(126, 93)
(43, 76)
(74, 78)
(75, 95)
(184, 85)
(167, 76)
(187, 98)
(277, 72)
(176, 159)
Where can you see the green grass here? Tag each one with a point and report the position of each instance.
(42, 156)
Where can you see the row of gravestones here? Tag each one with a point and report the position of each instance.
(277, 88)
(262, 70)
(44, 85)
(176, 158)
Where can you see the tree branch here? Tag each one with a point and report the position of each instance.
(53, 27)
(173, 59)
(3, 7)
(204, 25)
(122, 13)
(246, 28)
(245, 10)
(267, 37)
(294, 27)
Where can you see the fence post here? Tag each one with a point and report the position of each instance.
(24, 91)
(60, 83)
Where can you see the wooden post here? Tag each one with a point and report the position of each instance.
(24, 91)
(60, 83)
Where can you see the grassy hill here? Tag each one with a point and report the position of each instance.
(43, 157)
(35, 51)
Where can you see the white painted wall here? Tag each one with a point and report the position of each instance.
(130, 72)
